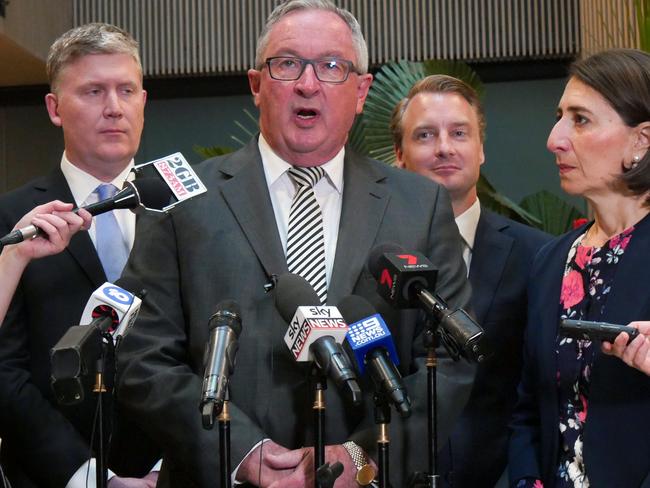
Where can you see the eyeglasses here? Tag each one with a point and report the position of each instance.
(329, 70)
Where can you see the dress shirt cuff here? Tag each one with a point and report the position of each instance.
(86, 472)
(157, 466)
(234, 473)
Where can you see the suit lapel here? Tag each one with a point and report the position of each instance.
(246, 194)
(364, 202)
(81, 248)
(491, 251)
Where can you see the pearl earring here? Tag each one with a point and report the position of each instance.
(635, 161)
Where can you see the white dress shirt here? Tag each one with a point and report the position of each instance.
(328, 191)
(83, 186)
(467, 223)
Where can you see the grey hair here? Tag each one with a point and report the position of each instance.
(360, 46)
(94, 38)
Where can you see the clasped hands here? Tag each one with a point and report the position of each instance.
(271, 465)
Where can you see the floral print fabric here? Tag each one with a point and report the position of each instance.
(588, 276)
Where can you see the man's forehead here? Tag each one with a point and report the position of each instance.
(427, 105)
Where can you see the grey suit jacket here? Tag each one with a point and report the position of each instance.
(226, 245)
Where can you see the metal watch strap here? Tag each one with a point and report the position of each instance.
(365, 472)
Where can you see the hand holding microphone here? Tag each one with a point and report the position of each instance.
(174, 181)
(147, 192)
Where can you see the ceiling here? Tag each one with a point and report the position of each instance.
(18, 67)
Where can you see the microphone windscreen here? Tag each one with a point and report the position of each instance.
(153, 192)
(355, 308)
(293, 291)
(378, 251)
(227, 313)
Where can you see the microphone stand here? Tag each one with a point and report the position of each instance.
(320, 385)
(432, 478)
(101, 468)
(382, 419)
(224, 443)
(326, 475)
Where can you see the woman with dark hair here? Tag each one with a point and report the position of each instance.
(580, 417)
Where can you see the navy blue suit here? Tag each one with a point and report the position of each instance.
(502, 254)
(617, 432)
(43, 443)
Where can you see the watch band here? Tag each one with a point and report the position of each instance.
(365, 471)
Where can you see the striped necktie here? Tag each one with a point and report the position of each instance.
(112, 249)
(305, 236)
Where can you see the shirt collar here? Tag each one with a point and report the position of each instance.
(83, 184)
(275, 167)
(467, 223)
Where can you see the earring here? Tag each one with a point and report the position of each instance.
(635, 161)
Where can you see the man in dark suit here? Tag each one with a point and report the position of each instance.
(97, 99)
(438, 131)
(309, 82)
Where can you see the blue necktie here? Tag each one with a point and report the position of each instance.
(111, 247)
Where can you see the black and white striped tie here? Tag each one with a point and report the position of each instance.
(305, 236)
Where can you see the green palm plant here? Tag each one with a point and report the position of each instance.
(642, 10)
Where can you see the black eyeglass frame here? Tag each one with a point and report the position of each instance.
(313, 62)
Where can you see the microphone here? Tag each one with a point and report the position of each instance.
(374, 350)
(160, 191)
(114, 299)
(404, 279)
(315, 332)
(219, 359)
(147, 192)
(110, 310)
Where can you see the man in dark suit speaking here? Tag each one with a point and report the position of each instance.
(98, 100)
(309, 82)
(438, 131)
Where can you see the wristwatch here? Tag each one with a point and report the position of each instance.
(365, 471)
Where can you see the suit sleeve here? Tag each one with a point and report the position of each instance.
(159, 386)
(524, 446)
(46, 446)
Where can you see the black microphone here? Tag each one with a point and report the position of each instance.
(148, 192)
(374, 350)
(315, 332)
(219, 359)
(404, 279)
(109, 312)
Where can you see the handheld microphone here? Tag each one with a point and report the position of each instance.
(219, 359)
(110, 310)
(374, 350)
(315, 332)
(159, 191)
(404, 279)
(147, 192)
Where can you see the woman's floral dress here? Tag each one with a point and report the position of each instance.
(588, 276)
